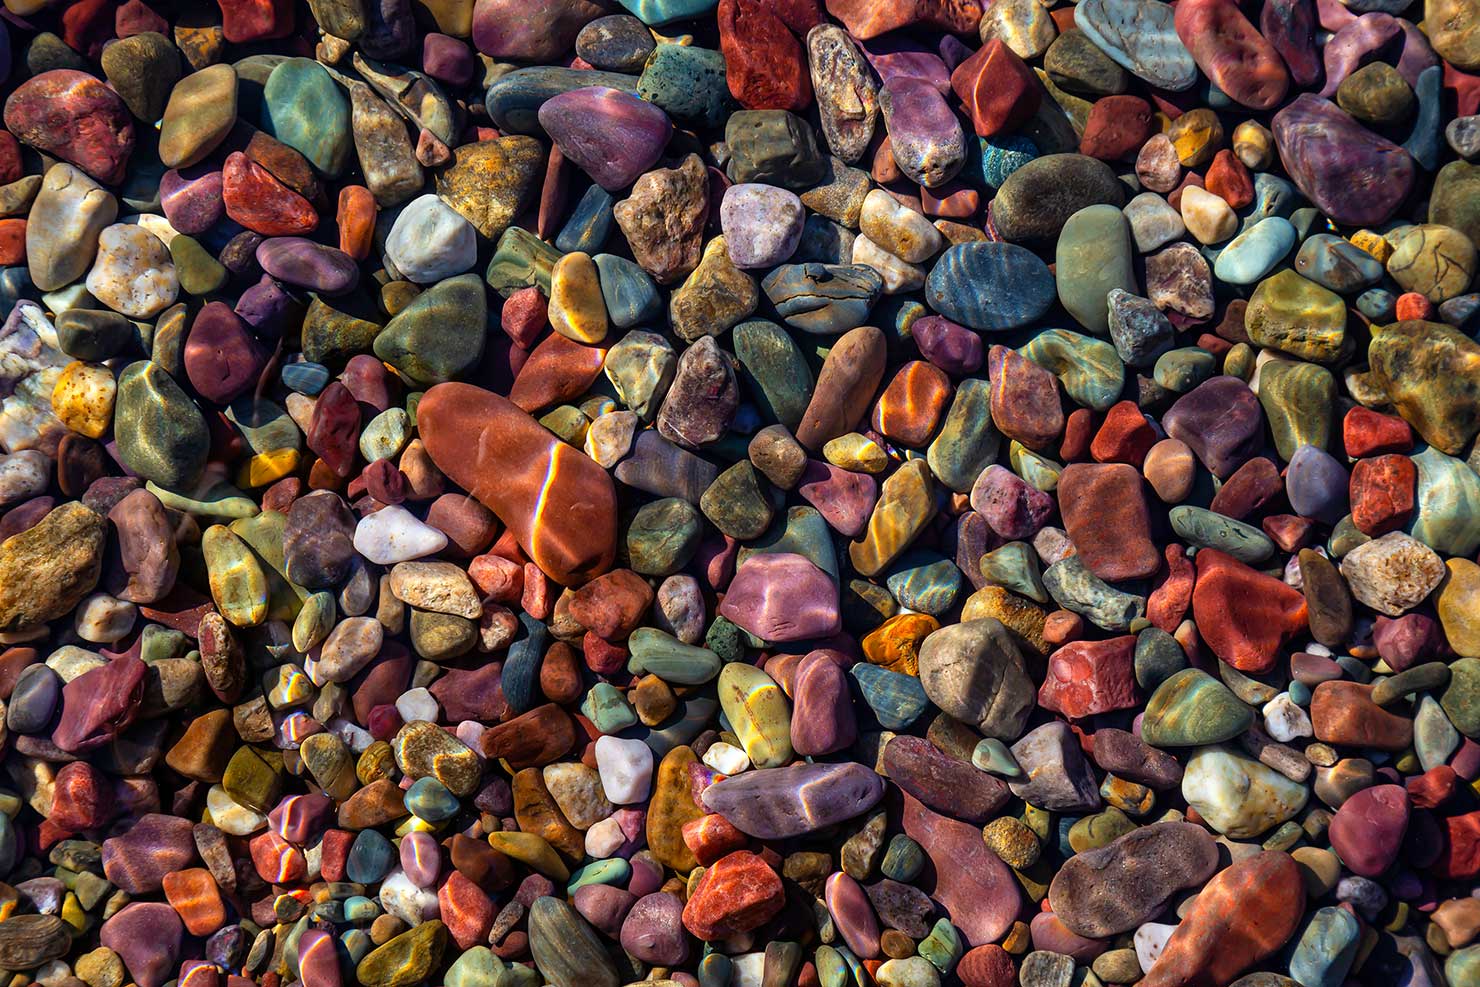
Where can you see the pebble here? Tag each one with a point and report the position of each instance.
(882, 427)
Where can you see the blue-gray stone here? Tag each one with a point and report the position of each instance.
(825, 299)
(1255, 252)
(992, 287)
(1423, 141)
(1338, 264)
(1139, 36)
(630, 295)
(514, 100)
(1326, 949)
(590, 222)
(925, 582)
(305, 377)
(896, 699)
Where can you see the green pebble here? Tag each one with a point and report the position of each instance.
(1208, 529)
(656, 653)
(607, 708)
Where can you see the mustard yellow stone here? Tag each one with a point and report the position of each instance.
(1253, 145)
(1459, 607)
(268, 467)
(535, 851)
(895, 644)
(1197, 135)
(906, 505)
(1020, 615)
(83, 398)
(1373, 243)
(856, 453)
(577, 310)
(238, 584)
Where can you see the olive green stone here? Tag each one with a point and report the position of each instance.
(198, 271)
(521, 260)
(716, 296)
(314, 621)
(254, 778)
(201, 112)
(663, 536)
(490, 181)
(409, 958)
(92, 334)
(1438, 262)
(640, 368)
(142, 69)
(1090, 369)
(656, 653)
(1015, 566)
(1461, 700)
(1302, 318)
(1190, 709)
(1299, 400)
(440, 335)
(738, 502)
(264, 425)
(688, 83)
(1207, 529)
(1072, 585)
(775, 370)
(441, 636)
(340, 18)
(1158, 657)
(967, 442)
(238, 582)
(161, 434)
(1375, 94)
(1099, 829)
(335, 330)
(1180, 370)
(1429, 372)
(1093, 258)
(167, 349)
(1419, 678)
(1455, 198)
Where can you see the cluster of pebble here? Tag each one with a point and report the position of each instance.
(756, 493)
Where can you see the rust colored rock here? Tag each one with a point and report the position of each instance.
(739, 893)
(1382, 493)
(1243, 916)
(1089, 677)
(261, 203)
(538, 737)
(1251, 486)
(559, 369)
(1124, 437)
(866, 19)
(845, 386)
(73, 116)
(1025, 399)
(1344, 713)
(559, 504)
(764, 65)
(910, 407)
(1116, 128)
(1106, 515)
(613, 605)
(998, 88)
(1244, 616)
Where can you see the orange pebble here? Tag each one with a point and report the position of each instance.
(356, 218)
(1412, 305)
(12, 241)
(194, 895)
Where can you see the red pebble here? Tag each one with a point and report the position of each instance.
(998, 88)
(524, 316)
(987, 966)
(712, 836)
(12, 242)
(468, 912)
(1365, 433)
(256, 20)
(1459, 854)
(1124, 437)
(1412, 305)
(261, 203)
(1116, 128)
(1078, 434)
(1089, 677)
(1244, 616)
(1432, 788)
(765, 67)
(1382, 493)
(737, 894)
(356, 219)
(11, 168)
(335, 853)
(276, 860)
(1228, 179)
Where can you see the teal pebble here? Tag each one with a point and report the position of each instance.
(925, 583)
(607, 709)
(904, 859)
(896, 699)
(429, 800)
(943, 947)
(614, 871)
(1326, 949)
(630, 295)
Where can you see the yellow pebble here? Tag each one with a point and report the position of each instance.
(895, 644)
(577, 310)
(1197, 135)
(535, 851)
(267, 467)
(1253, 145)
(856, 453)
(1373, 243)
(72, 912)
(83, 398)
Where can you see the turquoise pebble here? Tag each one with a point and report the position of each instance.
(607, 708)
(429, 800)
(903, 859)
(613, 871)
(925, 583)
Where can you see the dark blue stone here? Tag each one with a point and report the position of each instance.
(370, 857)
(305, 377)
(589, 224)
(1423, 143)
(823, 298)
(521, 677)
(631, 296)
(896, 699)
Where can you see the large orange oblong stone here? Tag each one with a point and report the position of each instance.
(559, 504)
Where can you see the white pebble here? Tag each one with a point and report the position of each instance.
(725, 758)
(626, 769)
(416, 704)
(430, 241)
(1150, 939)
(605, 838)
(747, 970)
(1285, 721)
(401, 898)
(393, 534)
(103, 619)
